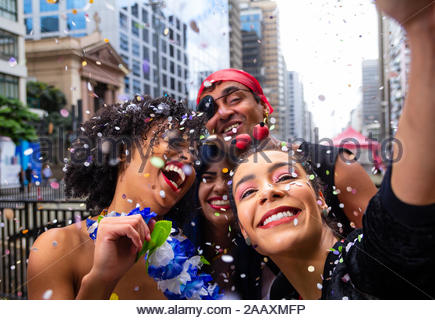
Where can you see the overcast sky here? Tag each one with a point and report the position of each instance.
(326, 41)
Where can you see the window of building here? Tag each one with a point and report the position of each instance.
(165, 80)
(172, 83)
(125, 58)
(155, 58)
(180, 87)
(172, 67)
(49, 24)
(123, 21)
(155, 37)
(145, 35)
(179, 39)
(136, 68)
(127, 84)
(185, 59)
(136, 87)
(76, 21)
(8, 45)
(186, 74)
(75, 4)
(135, 49)
(146, 53)
(44, 6)
(179, 71)
(28, 22)
(135, 10)
(135, 28)
(8, 9)
(27, 6)
(171, 34)
(178, 23)
(164, 63)
(157, 92)
(146, 89)
(178, 55)
(163, 45)
(124, 42)
(145, 16)
(171, 50)
(9, 86)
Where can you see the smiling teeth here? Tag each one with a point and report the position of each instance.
(278, 216)
(219, 202)
(176, 169)
(231, 127)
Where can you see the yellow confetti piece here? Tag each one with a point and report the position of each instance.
(225, 170)
(91, 1)
(114, 296)
(106, 40)
(74, 11)
(146, 175)
(25, 231)
(84, 63)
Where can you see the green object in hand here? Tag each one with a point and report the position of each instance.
(161, 232)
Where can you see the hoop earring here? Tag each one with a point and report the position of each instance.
(266, 116)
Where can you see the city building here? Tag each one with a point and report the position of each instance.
(272, 59)
(13, 70)
(87, 69)
(151, 41)
(308, 126)
(371, 104)
(295, 123)
(235, 34)
(251, 28)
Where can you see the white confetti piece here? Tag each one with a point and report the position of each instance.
(162, 194)
(47, 294)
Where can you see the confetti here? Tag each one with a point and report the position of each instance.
(187, 169)
(74, 11)
(106, 40)
(312, 177)
(217, 214)
(146, 175)
(114, 296)
(341, 205)
(157, 162)
(225, 170)
(146, 66)
(162, 194)
(295, 221)
(311, 269)
(64, 113)
(28, 152)
(321, 97)
(47, 294)
(136, 289)
(54, 185)
(166, 31)
(54, 243)
(207, 84)
(319, 286)
(243, 276)
(12, 62)
(227, 258)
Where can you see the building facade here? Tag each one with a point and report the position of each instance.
(272, 60)
(151, 41)
(371, 104)
(235, 34)
(252, 31)
(13, 70)
(295, 122)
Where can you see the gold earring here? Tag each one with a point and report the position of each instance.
(266, 116)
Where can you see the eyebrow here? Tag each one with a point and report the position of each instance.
(210, 173)
(228, 91)
(269, 170)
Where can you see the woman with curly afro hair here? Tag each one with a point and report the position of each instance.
(135, 154)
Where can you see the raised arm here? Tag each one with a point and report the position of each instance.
(413, 176)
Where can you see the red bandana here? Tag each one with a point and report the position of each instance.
(237, 76)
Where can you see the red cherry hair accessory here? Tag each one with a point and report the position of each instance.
(260, 131)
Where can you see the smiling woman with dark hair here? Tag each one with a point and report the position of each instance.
(136, 154)
(281, 212)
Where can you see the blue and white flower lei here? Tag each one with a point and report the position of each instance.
(174, 264)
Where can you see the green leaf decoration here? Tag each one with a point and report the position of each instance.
(161, 232)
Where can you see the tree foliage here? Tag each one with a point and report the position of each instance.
(40, 95)
(16, 120)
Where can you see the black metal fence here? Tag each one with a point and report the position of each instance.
(54, 191)
(21, 222)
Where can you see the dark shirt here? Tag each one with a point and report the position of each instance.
(392, 257)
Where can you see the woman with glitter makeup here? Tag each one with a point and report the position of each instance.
(282, 212)
(135, 154)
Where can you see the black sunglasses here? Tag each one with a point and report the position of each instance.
(208, 105)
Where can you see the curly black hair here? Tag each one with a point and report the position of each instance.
(113, 133)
